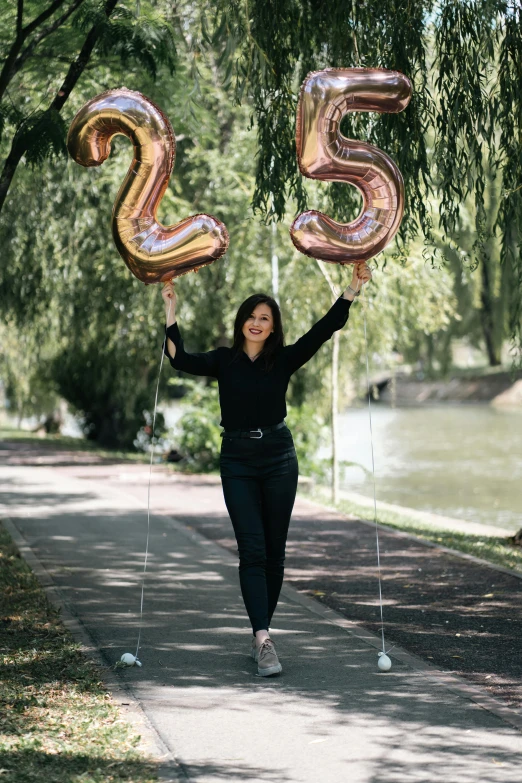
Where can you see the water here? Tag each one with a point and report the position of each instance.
(463, 462)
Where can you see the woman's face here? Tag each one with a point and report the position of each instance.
(258, 327)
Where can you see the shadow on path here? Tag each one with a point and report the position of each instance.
(331, 707)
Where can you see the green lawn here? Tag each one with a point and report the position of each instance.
(58, 724)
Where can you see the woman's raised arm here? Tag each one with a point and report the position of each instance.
(170, 299)
(300, 352)
(193, 363)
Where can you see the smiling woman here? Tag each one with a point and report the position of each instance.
(258, 462)
(257, 329)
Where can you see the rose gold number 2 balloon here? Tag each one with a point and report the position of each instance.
(324, 153)
(153, 253)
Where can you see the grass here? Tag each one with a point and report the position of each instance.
(58, 724)
(494, 549)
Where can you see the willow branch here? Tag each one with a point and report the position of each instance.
(22, 34)
(49, 11)
(75, 71)
(19, 17)
(29, 49)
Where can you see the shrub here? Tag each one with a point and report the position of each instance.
(308, 428)
(197, 433)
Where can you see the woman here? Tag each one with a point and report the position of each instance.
(258, 463)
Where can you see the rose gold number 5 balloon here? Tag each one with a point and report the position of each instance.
(153, 253)
(323, 153)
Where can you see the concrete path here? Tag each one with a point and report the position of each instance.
(332, 716)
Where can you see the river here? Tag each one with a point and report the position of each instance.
(459, 461)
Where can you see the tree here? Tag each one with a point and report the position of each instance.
(465, 61)
(64, 279)
(47, 49)
(62, 283)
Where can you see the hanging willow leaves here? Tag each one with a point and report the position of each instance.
(464, 58)
(462, 126)
(47, 48)
(508, 115)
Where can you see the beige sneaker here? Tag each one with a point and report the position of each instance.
(253, 651)
(267, 660)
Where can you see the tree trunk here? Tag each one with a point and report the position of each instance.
(275, 263)
(75, 71)
(10, 166)
(488, 315)
(8, 66)
(516, 540)
(78, 66)
(335, 418)
(22, 34)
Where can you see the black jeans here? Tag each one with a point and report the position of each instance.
(259, 478)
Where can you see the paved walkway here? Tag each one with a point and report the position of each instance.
(331, 716)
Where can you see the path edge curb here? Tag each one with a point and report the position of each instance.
(127, 703)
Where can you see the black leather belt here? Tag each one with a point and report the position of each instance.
(256, 434)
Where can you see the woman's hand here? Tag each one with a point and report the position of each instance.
(361, 275)
(169, 297)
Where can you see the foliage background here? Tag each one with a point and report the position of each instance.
(76, 325)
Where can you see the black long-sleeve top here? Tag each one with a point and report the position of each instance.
(251, 396)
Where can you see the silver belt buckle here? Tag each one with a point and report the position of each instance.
(256, 437)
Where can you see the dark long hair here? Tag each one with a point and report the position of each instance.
(273, 342)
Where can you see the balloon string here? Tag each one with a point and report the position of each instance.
(148, 490)
(373, 476)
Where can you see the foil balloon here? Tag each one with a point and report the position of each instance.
(153, 253)
(325, 154)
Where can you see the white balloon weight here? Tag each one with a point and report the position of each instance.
(384, 662)
(127, 659)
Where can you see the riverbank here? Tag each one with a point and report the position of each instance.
(497, 386)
